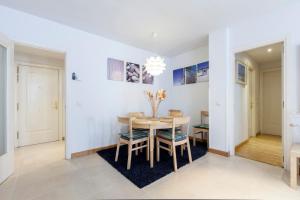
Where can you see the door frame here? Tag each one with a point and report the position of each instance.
(286, 139)
(7, 160)
(65, 91)
(261, 94)
(61, 111)
(250, 94)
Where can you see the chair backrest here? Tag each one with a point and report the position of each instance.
(175, 113)
(136, 114)
(128, 121)
(179, 121)
(204, 116)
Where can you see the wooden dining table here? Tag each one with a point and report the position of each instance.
(152, 124)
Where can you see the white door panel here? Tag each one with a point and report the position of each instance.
(271, 108)
(7, 108)
(39, 101)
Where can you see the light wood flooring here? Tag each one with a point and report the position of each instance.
(42, 173)
(262, 148)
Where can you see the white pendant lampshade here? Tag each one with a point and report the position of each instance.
(155, 65)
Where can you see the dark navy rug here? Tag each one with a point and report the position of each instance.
(140, 173)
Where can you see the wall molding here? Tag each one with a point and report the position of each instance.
(91, 151)
(219, 152)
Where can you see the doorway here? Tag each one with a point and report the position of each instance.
(40, 102)
(260, 135)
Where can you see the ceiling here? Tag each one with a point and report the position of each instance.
(262, 56)
(181, 25)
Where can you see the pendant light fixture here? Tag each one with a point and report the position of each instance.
(155, 65)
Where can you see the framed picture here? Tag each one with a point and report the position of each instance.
(203, 72)
(115, 69)
(132, 72)
(241, 73)
(191, 74)
(178, 77)
(146, 77)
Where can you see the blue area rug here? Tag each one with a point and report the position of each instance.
(140, 173)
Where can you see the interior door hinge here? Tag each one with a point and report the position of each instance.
(283, 104)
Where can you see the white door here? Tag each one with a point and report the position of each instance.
(38, 105)
(7, 108)
(271, 102)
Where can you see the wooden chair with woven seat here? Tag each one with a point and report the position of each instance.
(174, 138)
(202, 128)
(138, 115)
(175, 113)
(131, 138)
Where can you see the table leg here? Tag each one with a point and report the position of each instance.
(151, 147)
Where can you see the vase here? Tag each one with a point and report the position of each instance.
(154, 111)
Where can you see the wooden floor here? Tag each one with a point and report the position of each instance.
(262, 148)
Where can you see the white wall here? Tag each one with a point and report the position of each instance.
(94, 102)
(273, 27)
(219, 96)
(190, 98)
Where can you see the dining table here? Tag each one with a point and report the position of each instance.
(152, 124)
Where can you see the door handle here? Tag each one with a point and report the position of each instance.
(294, 125)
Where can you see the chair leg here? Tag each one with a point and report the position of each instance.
(189, 151)
(117, 151)
(129, 156)
(136, 151)
(171, 151)
(194, 140)
(207, 139)
(157, 150)
(148, 150)
(181, 149)
(141, 150)
(174, 157)
(293, 171)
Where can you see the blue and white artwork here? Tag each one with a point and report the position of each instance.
(178, 76)
(241, 70)
(203, 72)
(191, 74)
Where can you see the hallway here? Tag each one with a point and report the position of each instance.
(262, 148)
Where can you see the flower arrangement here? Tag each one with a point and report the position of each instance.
(155, 100)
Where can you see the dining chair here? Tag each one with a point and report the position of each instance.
(202, 128)
(131, 138)
(175, 113)
(136, 114)
(174, 138)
